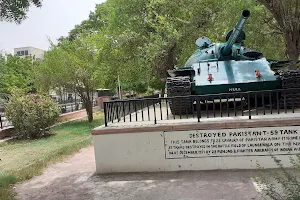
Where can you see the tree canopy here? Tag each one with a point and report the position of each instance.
(139, 40)
(287, 16)
(72, 66)
(16, 72)
(142, 39)
(16, 10)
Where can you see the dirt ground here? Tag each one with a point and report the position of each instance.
(74, 179)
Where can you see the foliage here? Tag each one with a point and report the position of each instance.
(4, 98)
(282, 184)
(286, 22)
(139, 40)
(71, 65)
(31, 114)
(259, 35)
(16, 10)
(16, 72)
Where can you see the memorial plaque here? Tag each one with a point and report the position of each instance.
(263, 141)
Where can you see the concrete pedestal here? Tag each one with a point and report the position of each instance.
(196, 146)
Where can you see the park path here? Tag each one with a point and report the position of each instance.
(74, 179)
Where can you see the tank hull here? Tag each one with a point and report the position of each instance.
(233, 88)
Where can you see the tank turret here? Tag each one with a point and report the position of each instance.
(235, 34)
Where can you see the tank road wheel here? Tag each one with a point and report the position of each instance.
(179, 86)
(290, 79)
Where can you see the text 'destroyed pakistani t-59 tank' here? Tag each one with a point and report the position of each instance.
(225, 68)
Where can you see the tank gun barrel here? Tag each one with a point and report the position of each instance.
(236, 32)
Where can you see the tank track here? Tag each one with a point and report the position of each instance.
(290, 79)
(179, 86)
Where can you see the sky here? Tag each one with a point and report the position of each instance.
(53, 20)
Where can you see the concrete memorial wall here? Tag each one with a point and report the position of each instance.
(232, 142)
(153, 149)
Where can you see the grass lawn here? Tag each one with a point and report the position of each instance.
(21, 160)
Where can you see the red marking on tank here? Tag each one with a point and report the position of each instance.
(210, 78)
(257, 73)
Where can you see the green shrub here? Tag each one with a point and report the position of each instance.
(32, 115)
(281, 184)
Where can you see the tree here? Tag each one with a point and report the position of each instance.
(259, 35)
(71, 65)
(92, 25)
(287, 16)
(16, 72)
(143, 39)
(139, 40)
(161, 34)
(16, 10)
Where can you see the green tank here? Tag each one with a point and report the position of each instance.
(228, 67)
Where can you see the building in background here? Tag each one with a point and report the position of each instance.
(35, 53)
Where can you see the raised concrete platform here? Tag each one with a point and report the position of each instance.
(5, 132)
(186, 144)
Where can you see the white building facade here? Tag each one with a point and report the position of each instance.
(30, 51)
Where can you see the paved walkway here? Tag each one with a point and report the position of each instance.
(73, 179)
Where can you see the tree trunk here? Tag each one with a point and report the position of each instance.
(287, 15)
(162, 92)
(292, 48)
(163, 80)
(87, 101)
(89, 110)
(166, 61)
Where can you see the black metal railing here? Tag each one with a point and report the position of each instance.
(1, 123)
(247, 104)
(73, 106)
(117, 109)
(70, 107)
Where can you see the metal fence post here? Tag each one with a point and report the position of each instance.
(105, 114)
(249, 106)
(198, 109)
(1, 126)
